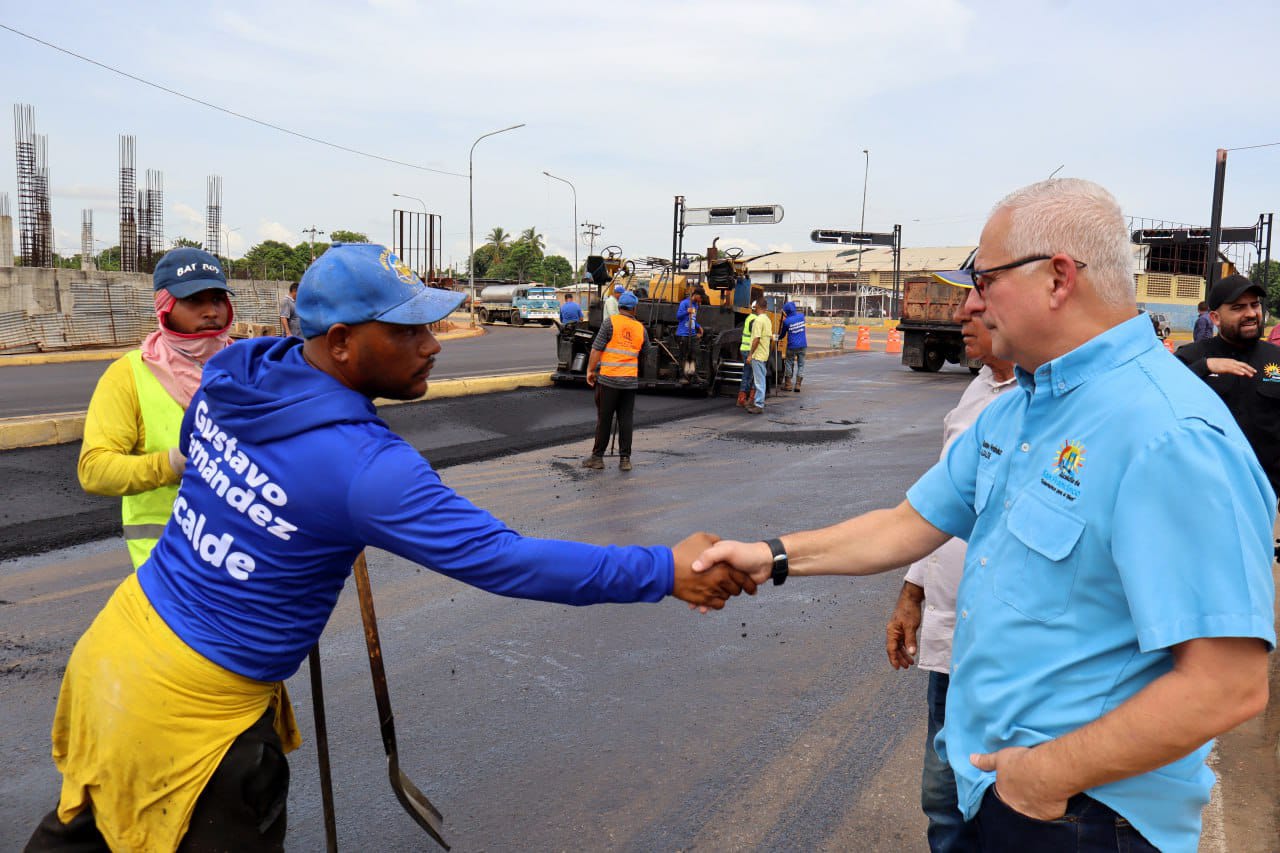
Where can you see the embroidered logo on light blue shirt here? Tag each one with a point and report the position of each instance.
(1064, 477)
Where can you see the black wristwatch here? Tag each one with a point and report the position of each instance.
(780, 566)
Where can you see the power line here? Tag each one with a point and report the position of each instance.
(1247, 147)
(225, 110)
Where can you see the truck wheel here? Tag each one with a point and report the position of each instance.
(516, 319)
(933, 359)
(483, 315)
(546, 323)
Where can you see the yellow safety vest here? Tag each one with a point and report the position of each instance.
(621, 358)
(145, 514)
(746, 331)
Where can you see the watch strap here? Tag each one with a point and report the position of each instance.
(781, 568)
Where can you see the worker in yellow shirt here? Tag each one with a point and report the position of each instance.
(130, 444)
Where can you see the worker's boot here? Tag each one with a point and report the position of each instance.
(593, 461)
(624, 464)
(798, 381)
(786, 385)
(742, 399)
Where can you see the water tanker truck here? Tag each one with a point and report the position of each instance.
(518, 304)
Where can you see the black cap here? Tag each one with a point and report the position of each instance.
(1230, 289)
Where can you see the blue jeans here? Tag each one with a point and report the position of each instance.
(1087, 827)
(795, 363)
(948, 831)
(757, 375)
(745, 385)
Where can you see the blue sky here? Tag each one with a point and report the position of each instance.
(756, 101)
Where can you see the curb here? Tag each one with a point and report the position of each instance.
(442, 388)
(60, 428)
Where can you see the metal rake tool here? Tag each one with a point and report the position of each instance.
(414, 801)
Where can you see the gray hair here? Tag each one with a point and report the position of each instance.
(1079, 218)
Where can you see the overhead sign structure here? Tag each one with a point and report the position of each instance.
(745, 214)
(853, 238)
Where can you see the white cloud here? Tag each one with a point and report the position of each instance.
(275, 231)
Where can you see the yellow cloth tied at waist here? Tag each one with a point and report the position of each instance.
(143, 720)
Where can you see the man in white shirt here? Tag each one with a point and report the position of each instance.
(611, 301)
(927, 603)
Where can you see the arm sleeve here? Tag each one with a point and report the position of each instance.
(1191, 357)
(915, 573)
(111, 458)
(1202, 567)
(945, 495)
(398, 503)
(603, 336)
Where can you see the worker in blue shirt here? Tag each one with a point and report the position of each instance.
(1116, 608)
(792, 329)
(570, 311)
(290, 474)
(688, 331)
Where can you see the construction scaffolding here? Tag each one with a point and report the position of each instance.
(6, 232)
(151, 221)
(86, 240)
(213, 217)
(35, 216)
(128, 216)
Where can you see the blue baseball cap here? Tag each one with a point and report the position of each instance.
(188, 271)
(617, 288)
(628, 300)
(357, 282)
(955, 278)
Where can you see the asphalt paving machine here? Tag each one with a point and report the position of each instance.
(660, 286)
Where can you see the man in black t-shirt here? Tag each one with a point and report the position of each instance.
(1242, 368)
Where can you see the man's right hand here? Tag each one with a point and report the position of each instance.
(709, 589)
(1229, 367)
(904, 626)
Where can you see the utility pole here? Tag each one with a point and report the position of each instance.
(592, 229)
(313, 231)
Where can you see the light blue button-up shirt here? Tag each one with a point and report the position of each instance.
(1113, 509)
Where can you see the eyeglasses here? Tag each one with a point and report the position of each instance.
(981, 278)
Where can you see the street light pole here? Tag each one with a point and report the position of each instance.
(862, 223)
(575, 220)
(471, 213)
(227, 232)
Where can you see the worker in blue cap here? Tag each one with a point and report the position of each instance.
(614, 371)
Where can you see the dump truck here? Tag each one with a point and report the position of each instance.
(660, 289)
(930, 335)
(518, 304)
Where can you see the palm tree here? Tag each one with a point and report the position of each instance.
(533, 238)
(499, 239)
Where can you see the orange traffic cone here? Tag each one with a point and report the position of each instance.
(864, 339)
(894, 341)
(1168, 344)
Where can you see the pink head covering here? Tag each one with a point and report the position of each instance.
(176, 359)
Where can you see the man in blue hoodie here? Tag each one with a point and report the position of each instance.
(170, 727)
(792, 328)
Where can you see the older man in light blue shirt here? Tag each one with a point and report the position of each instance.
(1116, 609)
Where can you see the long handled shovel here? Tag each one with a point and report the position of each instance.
(322, 752)
(414, 801)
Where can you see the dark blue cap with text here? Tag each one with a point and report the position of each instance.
(187, 271)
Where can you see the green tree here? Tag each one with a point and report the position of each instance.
(184, 243)
(1268, 276)
(523, 262)
(340, 236)
(482, 261)
(109, 259)
(556, 270)
(272, 259)
(498, 240)
(533, 238)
